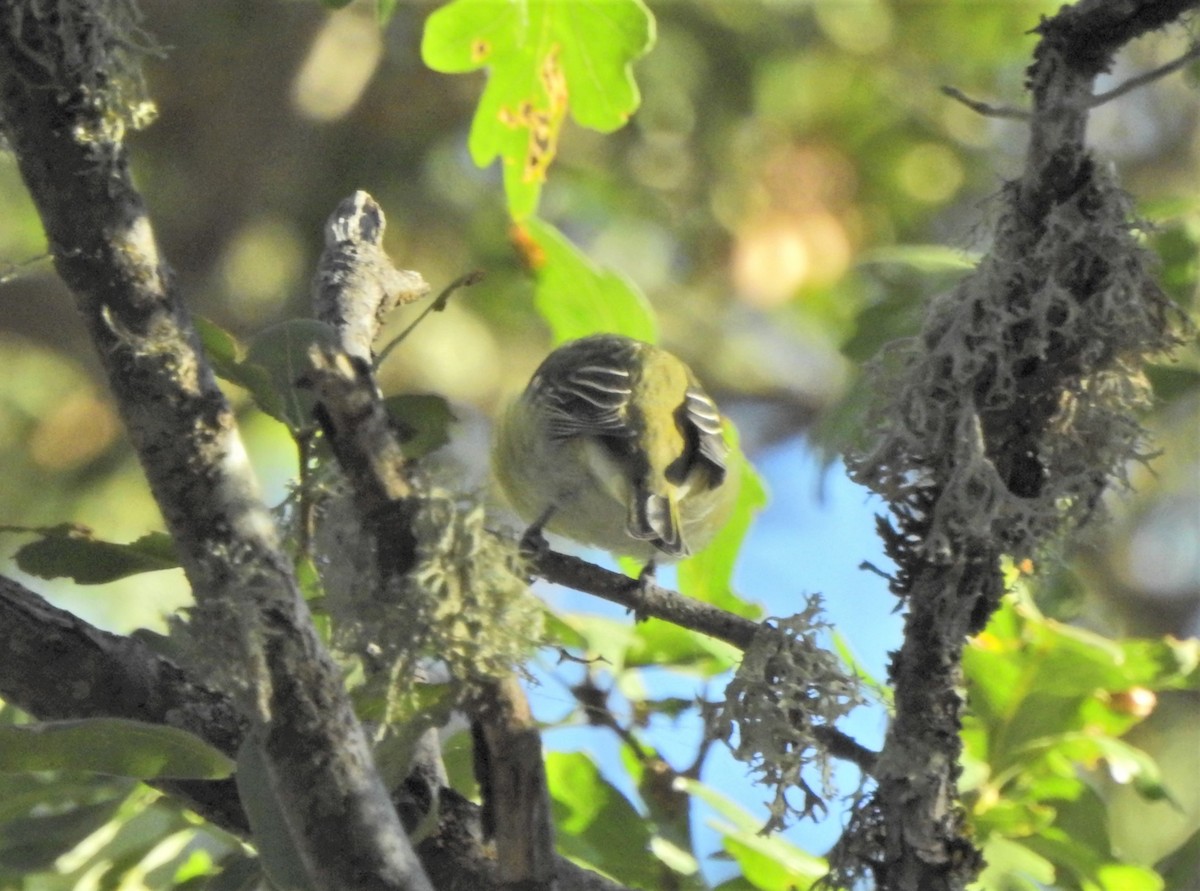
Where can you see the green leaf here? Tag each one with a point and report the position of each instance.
(921, 257)
(224, 350)
(677, 859)
(1161, 663)
(732, 812)
(1012, 866)
(384, 10)
(768, 862)
(336, 4)
(458, 755)
(34, 843)
(69, 551)
(657, 643)
(603, 637)
(846, 653)
(1092, 869)
(577, 298)
(596, 823)
(115, 746)
(1015, 819)
(276, 360)
(772, 864)
(277, 852)
(423, 422)
(737, 883)
(542, 56)
(708, 576)
(1128, 877)
(558, 632)
(1126, 763)
(1032, 679)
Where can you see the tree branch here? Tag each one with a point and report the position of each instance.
(54, 665)
(1000, 431)
(646, 599)
(356, 284)
(63, 115)
(509, 749)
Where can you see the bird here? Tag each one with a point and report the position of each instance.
(616, 445)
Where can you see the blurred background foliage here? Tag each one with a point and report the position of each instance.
(792, 188)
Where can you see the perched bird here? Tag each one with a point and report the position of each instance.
(615, 444)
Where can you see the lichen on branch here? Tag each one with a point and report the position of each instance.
(1017, 405)
(785, 691)
(97, 45)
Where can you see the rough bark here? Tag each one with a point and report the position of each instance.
(59, 73)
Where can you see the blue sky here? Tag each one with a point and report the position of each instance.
(817, 529)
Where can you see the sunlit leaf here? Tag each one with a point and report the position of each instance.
(596, 823)
(1012, 866)
(606, 638)
(542, 57)
(577, 298)
(1128, 877)
(846, 653)
(708, 576)
(1125, 763)
(1088, 865)
(559, 632)
(1014, 818)
(659, 643)
(676, 858)
(729, 810)
(768, 862)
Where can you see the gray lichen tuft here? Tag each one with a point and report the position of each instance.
(1016, 408)
(465, 606)
(785, 689)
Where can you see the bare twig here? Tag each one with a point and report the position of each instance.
(984, 108)
(1147, 77)
(1020, 114)
(644, 598)
(438, 305)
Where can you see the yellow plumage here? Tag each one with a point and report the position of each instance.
(619, 442)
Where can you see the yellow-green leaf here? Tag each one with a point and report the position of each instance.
(543, 57)
(576, 297)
